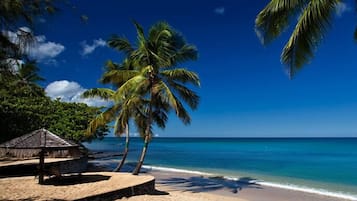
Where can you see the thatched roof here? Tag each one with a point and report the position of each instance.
(30, 144)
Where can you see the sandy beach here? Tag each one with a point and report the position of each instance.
(201, 187)
(197, 186)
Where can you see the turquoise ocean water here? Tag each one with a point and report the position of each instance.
(320, 165)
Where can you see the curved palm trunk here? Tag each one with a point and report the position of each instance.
(142, 156)
(126, 150)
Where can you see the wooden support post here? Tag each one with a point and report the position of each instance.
(41, 168)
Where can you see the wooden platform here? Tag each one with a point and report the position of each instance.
(88, 186)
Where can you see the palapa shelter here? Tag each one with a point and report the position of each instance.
(38, 143)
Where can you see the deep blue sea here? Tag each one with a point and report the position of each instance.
(320, 165)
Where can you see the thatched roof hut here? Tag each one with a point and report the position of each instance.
(38, 143)
(31, 144)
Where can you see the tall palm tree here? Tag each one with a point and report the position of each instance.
(314, 17)
(158, 80)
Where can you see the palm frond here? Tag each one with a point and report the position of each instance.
(160, 118)
(186, 94)
(182, 113)
(140, 32)
(118, 77)
(103, 93)
(307, 34)
(274, 18)
(185, 53)
(121, 44)
(181, 75)
(166, 94)
(102, 119)
(158, 30)
(110, 65)
(131, 86)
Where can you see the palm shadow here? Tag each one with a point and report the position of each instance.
(198, 184)
(75, 179)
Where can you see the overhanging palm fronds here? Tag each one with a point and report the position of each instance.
(274, 18)
(307, 34)
(314, 17)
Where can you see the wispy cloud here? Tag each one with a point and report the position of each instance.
(219, 10)
(342, 8)
(68, 91)
(88, 49)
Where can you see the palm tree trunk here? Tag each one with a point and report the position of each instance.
(126, 150)
(142, 157)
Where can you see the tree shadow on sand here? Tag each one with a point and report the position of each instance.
(198, 184)
(75, 179)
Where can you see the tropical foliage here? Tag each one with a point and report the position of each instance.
(24, 108)
(314, 17)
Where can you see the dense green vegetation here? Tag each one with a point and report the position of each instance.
(24, 108)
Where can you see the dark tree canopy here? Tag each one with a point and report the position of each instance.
(24, 108)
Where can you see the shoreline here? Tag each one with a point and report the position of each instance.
(174, 172)
(183, 180)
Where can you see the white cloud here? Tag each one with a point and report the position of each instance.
(341, 8)
(71, 92)
(88, 49)
(219, 10)
(43, 51)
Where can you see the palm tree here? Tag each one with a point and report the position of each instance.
(158, 80)
(120, 112)
(314, 17)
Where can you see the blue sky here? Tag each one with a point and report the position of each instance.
(245, 91)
